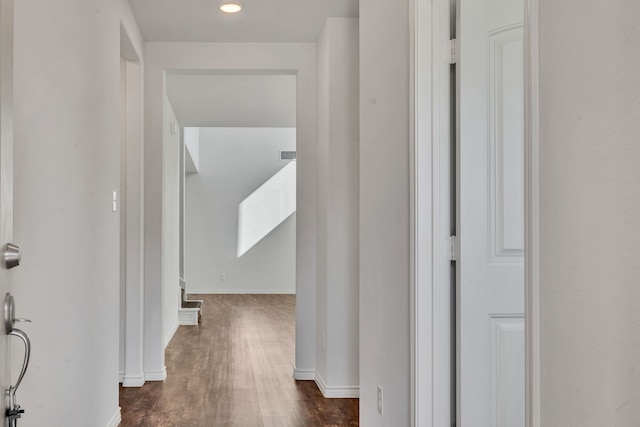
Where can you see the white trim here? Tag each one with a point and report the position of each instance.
(431, 357)
(442, 216)
(414, 312)
(115, 419)
(421, 340)
(171, 333)
(241, 292)
(336, 392)
(304, 374)
(131, 44)
(156, 375)
(532, 216)
(121, 376)
(137, 381)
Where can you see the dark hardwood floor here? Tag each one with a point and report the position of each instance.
(235, 369)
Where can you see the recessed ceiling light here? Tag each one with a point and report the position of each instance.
(231, 6)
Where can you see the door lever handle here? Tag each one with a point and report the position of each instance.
(13, 410)
(27, 354)
(11, 393)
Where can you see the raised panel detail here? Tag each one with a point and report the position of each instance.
(507, 372)
(506, 139)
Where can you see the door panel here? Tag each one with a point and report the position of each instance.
(490, 269)
(507, 370)
(506, 121)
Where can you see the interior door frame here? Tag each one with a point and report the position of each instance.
(274, 58)
(132, 211)
(430, 323)
(532, 214)
(431, 353)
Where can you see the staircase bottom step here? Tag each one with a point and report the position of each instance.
(190, 313)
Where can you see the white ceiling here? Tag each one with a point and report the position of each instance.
(259, 21)
(210, 100)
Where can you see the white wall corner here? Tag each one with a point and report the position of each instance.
(336, 392)
(115, 420)
(304, 374)
(160, 375)
(121, 377)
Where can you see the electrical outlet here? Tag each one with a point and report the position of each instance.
(324, 342)
(223, 277)
(380, 401)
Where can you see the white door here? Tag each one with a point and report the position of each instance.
(490, 225)
(6, 177)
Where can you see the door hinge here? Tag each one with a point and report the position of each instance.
(453, 51)
(451, 253)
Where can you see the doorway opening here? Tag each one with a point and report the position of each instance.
(237, 184)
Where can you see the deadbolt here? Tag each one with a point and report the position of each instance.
(11, 255)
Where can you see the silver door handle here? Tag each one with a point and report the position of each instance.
(13, 410)
(11, 393)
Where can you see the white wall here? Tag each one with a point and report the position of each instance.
(590, 212)
(234, 162)
(384, 211)
(337, 192)
(291, 58)
(67, 63)
(170, 220)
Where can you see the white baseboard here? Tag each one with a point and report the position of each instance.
(115, 420)
(121, 376)
(241, 291)
(337, 392)
(170, 334)
(156, 375)
(137, 381)
(304, 374)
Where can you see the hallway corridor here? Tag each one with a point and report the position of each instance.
(235, 369)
